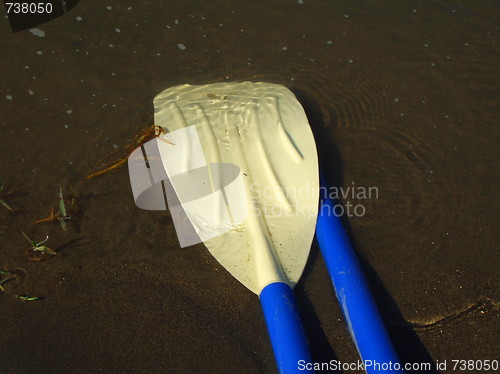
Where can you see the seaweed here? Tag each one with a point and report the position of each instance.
(4, 194)
(38, 251)
(140, 138)
(61, 216)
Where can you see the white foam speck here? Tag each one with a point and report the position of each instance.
(69, 111)
(176, 21)
(38, 32)
(79, 18)
(284, 48)
(350, 61)
(414, 10)
(346, 15)
(66, 126)
(396, 100)
(300, 2)
(221, 24)
(181, 46)
(8, 97)
(329, 42)
(109, 7)
(26, 67)
(39, 53)
(129, 8)
(30, 92)
(117, 29)
(111, 45)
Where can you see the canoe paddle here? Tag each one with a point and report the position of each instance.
(238, 170)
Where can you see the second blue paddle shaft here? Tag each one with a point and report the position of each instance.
(353, 292)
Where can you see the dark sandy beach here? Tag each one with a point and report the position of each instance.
(401, 96)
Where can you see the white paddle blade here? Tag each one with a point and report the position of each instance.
(262, 130)
(205, 200)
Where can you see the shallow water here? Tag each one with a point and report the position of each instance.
(401, 96)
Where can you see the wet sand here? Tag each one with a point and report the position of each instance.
(400, 96)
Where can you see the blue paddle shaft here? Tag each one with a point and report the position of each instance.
(353, 292)
(285, 329)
